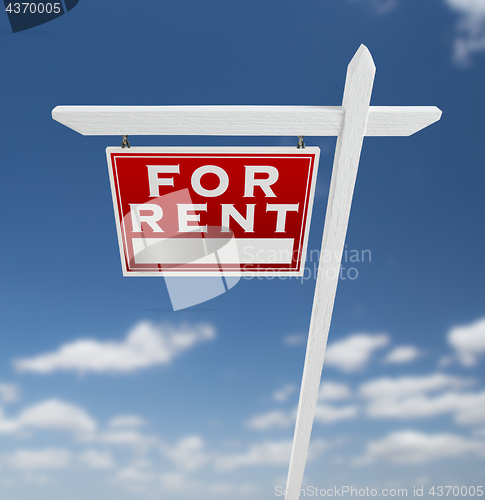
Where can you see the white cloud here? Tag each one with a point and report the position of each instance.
(138, 441)
(468, 409)
(470, 29)
(37, 479)
(411, 447)
(445, 361)
(402, 398)
(95, 459)
(8, 426)
(354, 352)
(387, 388)
(470, 36)
(327, 414)
(403, 354)
(9, 393)
(468, 341)
(124, 421)
(333, 391)
(409, 397)
(57, 415)
(284, 393)
(38, 459)
(474, 7)
(266, 453)
(295, 339)
(384, 6)
(144, 346)
(188, 453)
(139, 471)
(276, 419)
(177, 482)
(51, 415)
(140, 477)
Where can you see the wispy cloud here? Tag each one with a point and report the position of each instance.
(277, 419)
(188, 453)
(354, 352)
(191, 453)
(470, 37)
(128, 438)
(36, 479)
(145, 345)
(468, 409)
(265, 453)
(126, 421)
(55, 458)
(383, 6)
(468, 341)
(60, 416)
(49, 458)
(294, 339)
(330, 391)
(327, 414)
(412, 397)
(469, 30)
(396, 388)
(50, 415)
(411, 447)
(138, 471)
(95, 459)
(403, 354)
(282, 395)
(9, 393)
(140, 476)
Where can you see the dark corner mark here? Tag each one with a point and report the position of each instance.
(24, 15)
(70, 4)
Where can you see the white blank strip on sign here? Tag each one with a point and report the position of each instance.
(239, 120)
(249, 250)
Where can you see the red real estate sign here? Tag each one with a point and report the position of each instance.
(200, 211)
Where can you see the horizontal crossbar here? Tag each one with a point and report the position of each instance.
(239, 120)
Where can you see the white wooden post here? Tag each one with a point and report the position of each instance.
(356, 100)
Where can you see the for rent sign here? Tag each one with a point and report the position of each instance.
(191, 211)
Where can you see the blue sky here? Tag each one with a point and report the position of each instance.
(403, 393)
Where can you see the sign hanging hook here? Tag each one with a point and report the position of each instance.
(301, 144)
(125, 143)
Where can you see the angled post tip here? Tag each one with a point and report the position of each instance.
(362, 59)
(360, 75)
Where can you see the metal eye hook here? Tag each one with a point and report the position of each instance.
(301, 144)
(125, 143)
